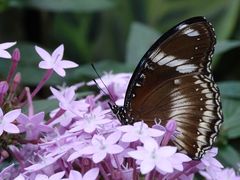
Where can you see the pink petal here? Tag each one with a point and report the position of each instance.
(11, 115)
(58, 53)
(20, 177)
(68, 64)
(70, 93)
(114, 137)
(22, 119)
(126, 128)
(41, 177)
(91, 174)
(7, 45)
(137, 154)
(88, 150)
(165, 165)
(166, 151)
(216, 163)
(76, 129)
(57, 176)
(1, 129)
(150, 143)
(11, 128)
(75, 175)
(57, 94)
(181, 157)
(155, 132)
(89, 128)
(129, 137)
(146, 166)
(43, 54)
(114, 149)
(38, 118)
(59, 70)
(1, 113)
(5, 54)
(74, 156)
(45, 65)
(99, 156)
(96, 140)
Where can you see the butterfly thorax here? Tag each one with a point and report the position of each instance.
(121, 113)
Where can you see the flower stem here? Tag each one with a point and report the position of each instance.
(30, 104)
(46, 76)
(57, 115)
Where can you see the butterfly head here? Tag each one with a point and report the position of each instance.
(121, 114)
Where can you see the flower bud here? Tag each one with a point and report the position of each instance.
(16, 55)
(3, 87)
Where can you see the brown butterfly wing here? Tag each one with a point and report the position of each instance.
(174, 81)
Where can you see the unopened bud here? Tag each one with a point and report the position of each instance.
(16, 55)
(17, 78)
(3, 87)
(171, 126)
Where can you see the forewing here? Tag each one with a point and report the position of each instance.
(171, 81)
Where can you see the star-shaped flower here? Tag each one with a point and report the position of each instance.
(116, 84)
(210, 163)
(55, 60)
(152, 156)
(32, 125)
(6, 121)
(57, 176)
(45, 162)
(3, 47)
(101, 147)
(67, 100)
(91, 121)
(139, 131)
(91, 174)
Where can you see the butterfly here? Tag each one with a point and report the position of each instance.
(173, 80)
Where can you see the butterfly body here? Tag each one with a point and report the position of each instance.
(174, 80)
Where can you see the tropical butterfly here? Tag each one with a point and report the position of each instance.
(174, 80)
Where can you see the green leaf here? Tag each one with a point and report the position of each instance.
(66, 5)
(222, 47)
(229, 19)
(229, 156)
(141, 37)
(84, 71)
(226, 45)
(231, 124)
(230, 93)
(230, 89)
(43, 105)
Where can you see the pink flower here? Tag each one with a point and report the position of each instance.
(32, 125)
(57, 176)
(67, 100)
(211, 165)
(65, 119)
(101, 147)
(139, 131)
(91, 174)
(45, 162)
(6, 121)
(152, 156)
(91, 121)
(55, 60)
(227, 173)
(3, 47)
(116, 84)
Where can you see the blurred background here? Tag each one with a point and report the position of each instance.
(114, 35)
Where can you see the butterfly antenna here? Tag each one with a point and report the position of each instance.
(109, 94)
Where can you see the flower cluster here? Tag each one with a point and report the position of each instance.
(81, 138)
